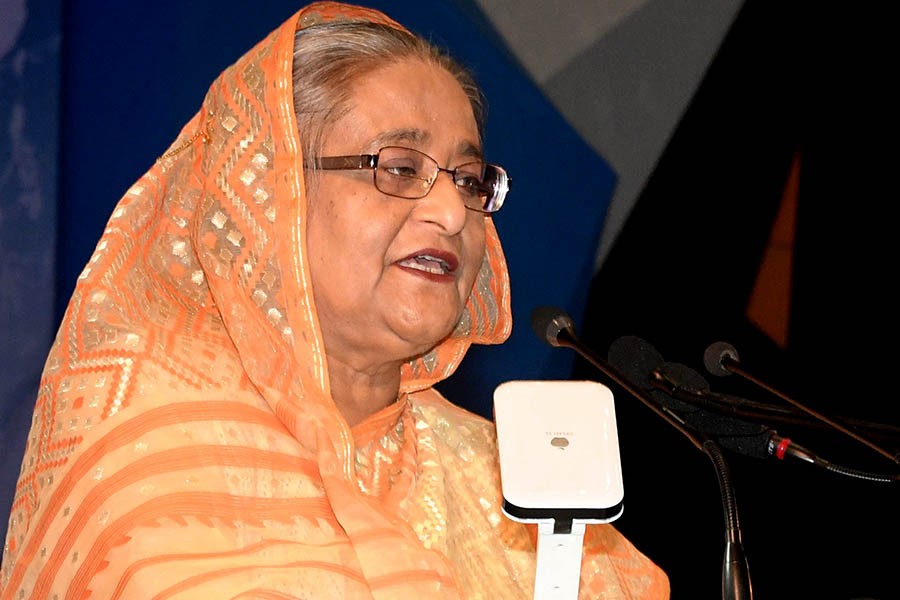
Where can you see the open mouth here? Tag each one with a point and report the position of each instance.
(427, 263)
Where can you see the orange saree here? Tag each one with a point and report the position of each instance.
(184, 442)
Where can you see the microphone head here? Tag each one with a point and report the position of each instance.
(715, 356)
(548, 322)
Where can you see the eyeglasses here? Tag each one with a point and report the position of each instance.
(407, 173)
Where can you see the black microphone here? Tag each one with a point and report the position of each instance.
(553, 326)
(721, 358)
(677, 386)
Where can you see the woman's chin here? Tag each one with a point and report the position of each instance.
(424, 334)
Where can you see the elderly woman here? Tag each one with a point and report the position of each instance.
(239, 403)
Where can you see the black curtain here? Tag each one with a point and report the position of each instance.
(791, 79)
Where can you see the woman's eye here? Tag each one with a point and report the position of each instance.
(469, 185)
(401, 170)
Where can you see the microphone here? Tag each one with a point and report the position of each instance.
(721, 358)
(684, 390)
(555, 327)
(754, 439)
(686, 384)
(677, 386)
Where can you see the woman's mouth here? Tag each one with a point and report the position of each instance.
(427, 263)
(431, 261)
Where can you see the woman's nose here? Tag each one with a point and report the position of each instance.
(444, 204)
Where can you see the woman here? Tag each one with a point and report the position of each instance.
(239, 402)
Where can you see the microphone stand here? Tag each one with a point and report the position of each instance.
(735, 570)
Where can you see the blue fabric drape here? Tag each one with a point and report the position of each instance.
(29, 108)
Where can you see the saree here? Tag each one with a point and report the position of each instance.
(184, 442)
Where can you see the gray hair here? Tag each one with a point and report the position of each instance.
(328, 57)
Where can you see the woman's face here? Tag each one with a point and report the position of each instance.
(378, 299)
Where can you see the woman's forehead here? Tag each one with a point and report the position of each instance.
(411, 102)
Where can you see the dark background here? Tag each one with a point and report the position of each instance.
(786, 83)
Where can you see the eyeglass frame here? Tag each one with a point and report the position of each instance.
(355, 162)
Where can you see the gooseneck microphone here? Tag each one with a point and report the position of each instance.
(556, 328)
(673, 385)
(721, 358)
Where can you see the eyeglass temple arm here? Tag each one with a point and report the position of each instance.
(358, 161)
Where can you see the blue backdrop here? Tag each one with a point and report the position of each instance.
(125, 79)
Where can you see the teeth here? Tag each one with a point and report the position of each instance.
(429, 264)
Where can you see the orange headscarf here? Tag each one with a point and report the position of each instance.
(184, 442)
